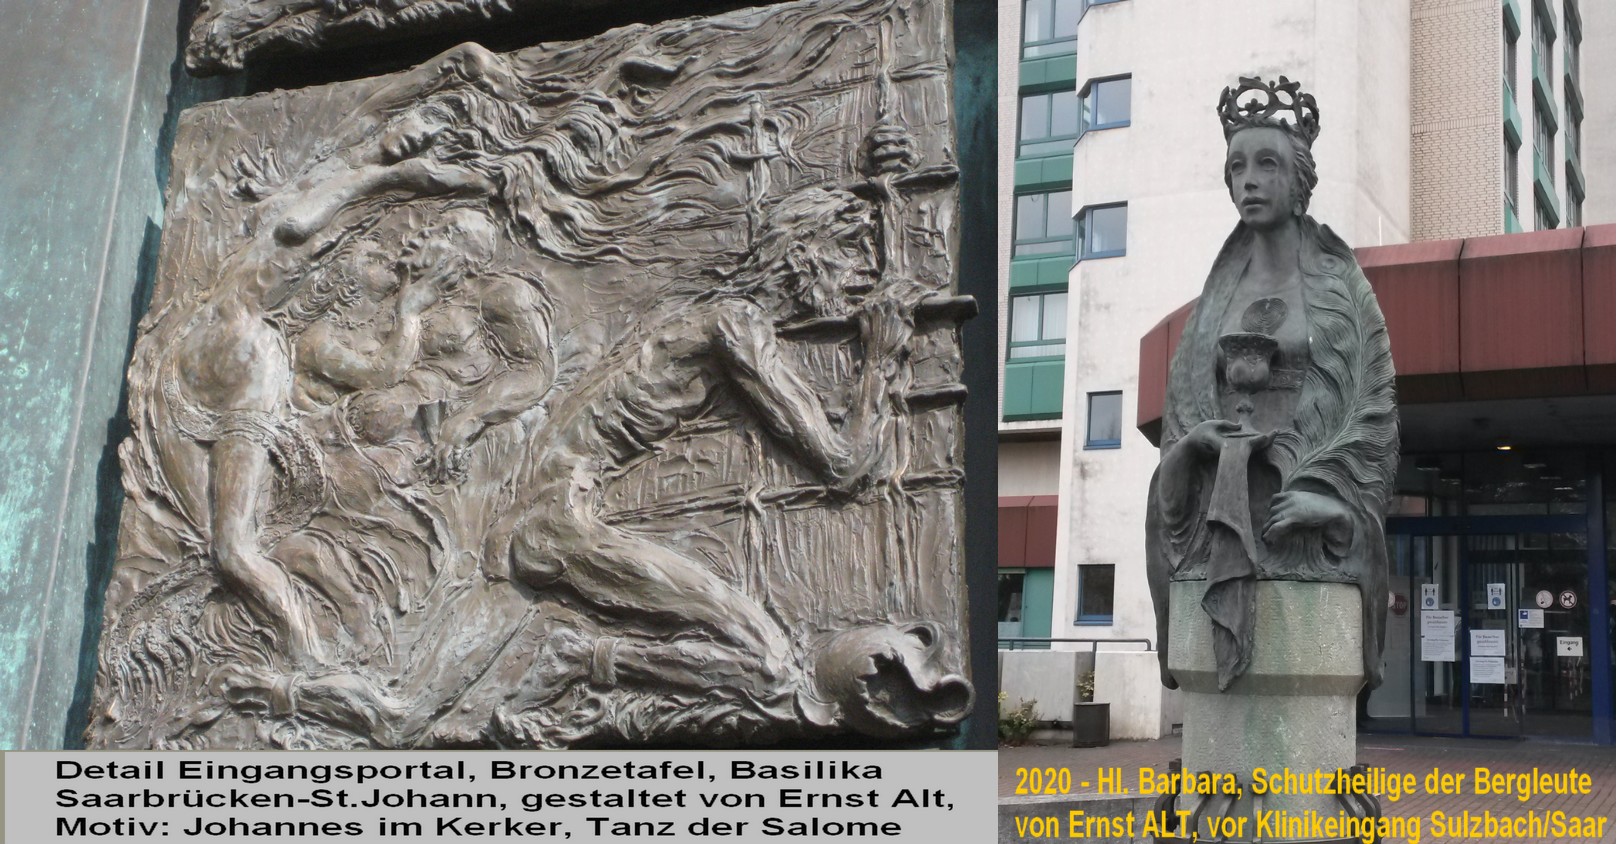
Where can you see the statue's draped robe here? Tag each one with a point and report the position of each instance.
(1342, 442)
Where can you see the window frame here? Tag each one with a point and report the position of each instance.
(1070, 238)
(1544, 124)
(1080, 618)
(1509, 59)
(1513, 181)
(1575, 202)
(1545, 218)
(1012, 343)
(1545, 131)
(1021, 573)
(1055, 40)
(1086, 106)
(1084, 5)
(1573, 137)
(1541, 45)
(1083, 230)
(1022, 142)
(1089, 416)
(1572, 58)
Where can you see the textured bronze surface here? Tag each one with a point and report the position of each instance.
(230, 35)
(600, 393)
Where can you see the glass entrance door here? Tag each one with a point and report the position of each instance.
(1553, 634)
(1492, 670)
(1488, 629)
(1429, 661)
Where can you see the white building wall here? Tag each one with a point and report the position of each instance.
(1596, 77)
(1167, 165)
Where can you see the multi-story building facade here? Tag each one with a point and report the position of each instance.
(1038, 125)
(1486, 161)
(1441, 120)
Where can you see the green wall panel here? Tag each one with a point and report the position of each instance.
(90, 89)
(1054, 73)
(1033, 390)
(1029, 273)
(1033, 175)
(1038, 591)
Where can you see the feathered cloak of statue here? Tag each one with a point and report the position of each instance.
(1343, 442)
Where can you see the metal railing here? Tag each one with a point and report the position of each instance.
(1022, 643)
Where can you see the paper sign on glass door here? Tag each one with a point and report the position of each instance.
(1488, 643)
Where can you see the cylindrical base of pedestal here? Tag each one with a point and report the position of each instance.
(1294, 707)
(1274, 735)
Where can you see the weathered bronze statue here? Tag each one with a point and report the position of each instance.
(599, 393)
(1280, 434)
(229, 34)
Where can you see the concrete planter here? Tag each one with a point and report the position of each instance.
(1090, 724)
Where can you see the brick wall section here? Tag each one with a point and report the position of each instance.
(1456, 147)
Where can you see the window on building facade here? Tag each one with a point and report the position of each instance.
(1574, 136)
(1544, 217)
(1104, 104)
(1049, 124)
(1544, 136)
(1044, 224)
(1038, 325)
(1050, 27)
(1571, 58)
(1511, 177)
(1510, 69)
(1095, 594)
(1010, 597)
(1103, 427)
(1573, 38)
(1575, 202)
(1544, 42)
(1102, 230)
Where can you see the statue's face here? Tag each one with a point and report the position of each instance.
(846, 266)
(462, 236)
(411, 132)
(1262, 178)
(370, 266)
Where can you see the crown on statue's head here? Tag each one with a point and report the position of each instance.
(1254, 102)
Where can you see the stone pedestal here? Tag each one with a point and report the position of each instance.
(1294, 708)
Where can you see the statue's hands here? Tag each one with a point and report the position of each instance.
(1297, 509)
(886, 324)
(906, 293)
(424, 288)
(1208, 437)
(447, 461)
(890, 149)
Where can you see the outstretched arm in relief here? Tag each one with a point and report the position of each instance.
(793, 412)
